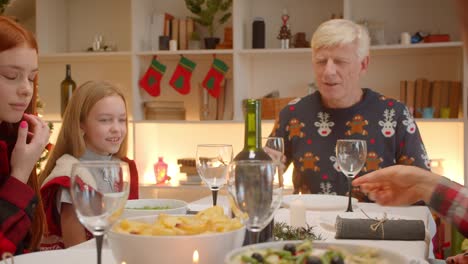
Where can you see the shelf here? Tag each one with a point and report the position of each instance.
(439, 120)
(188, 122)
(276, 51)
(418, 45)
(185, 52)
(454, 44)
(85, 56)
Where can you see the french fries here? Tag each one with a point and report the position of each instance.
(211, 220)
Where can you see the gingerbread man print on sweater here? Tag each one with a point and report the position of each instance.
(357, 126)
(309, 161)
(295, 128)
(373, 162)
(405, 160)
(324, 126)
(388, 125)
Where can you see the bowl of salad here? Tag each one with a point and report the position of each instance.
(315, 252)
(146, 207)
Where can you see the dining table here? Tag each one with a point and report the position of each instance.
(320, 220)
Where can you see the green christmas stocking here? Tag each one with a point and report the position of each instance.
(151, 81)
(181, 78)
(214, 77)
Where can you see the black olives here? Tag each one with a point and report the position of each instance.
(291, 248)
(313, 260)
(337, 260)
(258, 257)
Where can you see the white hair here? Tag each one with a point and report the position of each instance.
(341, 31)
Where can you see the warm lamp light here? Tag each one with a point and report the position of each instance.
(195, 257)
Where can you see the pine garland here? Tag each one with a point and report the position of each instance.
(283, 231)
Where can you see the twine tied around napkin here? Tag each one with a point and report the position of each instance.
(374, 227)
(390, 229)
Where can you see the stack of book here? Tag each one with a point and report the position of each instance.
(432, 99)
(188, 166)
(164, 110)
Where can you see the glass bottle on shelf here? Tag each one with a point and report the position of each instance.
(160, 170)
(253, 151)
(67, 87)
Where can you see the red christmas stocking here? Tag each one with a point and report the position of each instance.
(181, 78)
(151, 81)
(214, 77)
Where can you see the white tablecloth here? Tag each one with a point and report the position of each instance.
(420, 249)
(86, 252)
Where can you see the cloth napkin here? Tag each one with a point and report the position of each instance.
(379, 229)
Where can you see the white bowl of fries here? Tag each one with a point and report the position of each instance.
(147, 207)
(175, 238)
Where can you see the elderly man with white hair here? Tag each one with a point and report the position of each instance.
(342, 109)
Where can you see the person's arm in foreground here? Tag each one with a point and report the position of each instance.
(403, 185)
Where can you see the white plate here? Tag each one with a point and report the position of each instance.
(386, 256)
(69, 256)
(327, 221)
(321, 201)
(175, 207)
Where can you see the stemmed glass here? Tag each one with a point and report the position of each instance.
(212, 163)
(351, 155)
(99, 191)
(253, 195)
(274, 147)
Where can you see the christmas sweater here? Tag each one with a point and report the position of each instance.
(17, 203)
(310, 131)
(60, 178)
(450, 200)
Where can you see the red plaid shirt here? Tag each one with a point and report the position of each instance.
(17, 201)
(450, 200)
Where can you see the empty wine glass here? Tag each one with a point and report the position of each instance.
(274, 147)
(99, 190)
(253, 193)
(351, 155)
(212, 163)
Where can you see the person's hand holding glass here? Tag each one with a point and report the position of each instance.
(253, 192)
(351, 155)
(212, 162)
(99, 191)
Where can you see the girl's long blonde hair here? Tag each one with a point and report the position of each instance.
(70, 139)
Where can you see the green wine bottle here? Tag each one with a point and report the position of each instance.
(253, 151)
(253, 133)
(67, 87)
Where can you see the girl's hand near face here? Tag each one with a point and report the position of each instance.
(26, 152)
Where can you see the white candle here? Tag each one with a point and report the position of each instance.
(297, 212)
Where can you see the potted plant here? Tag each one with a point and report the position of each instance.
(194, 41)
(210, 14)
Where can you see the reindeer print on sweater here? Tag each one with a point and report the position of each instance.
(310, 131)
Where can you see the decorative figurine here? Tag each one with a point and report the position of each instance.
(285, 33)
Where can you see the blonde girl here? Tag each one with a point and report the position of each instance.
(94, 128)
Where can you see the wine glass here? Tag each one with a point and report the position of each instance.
(274, 147)
(351, 155)
(212, 162)
(252, 193)
(99, 191)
